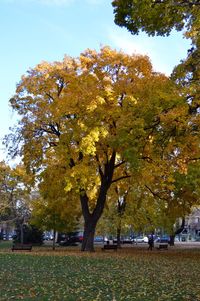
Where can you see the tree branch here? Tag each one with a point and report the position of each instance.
(120, 178)
(148, 159)
(84, 204)
(193, 159)
(49, 95)
(179, 3)
(99, 167)
(156, 194)
(119, 164)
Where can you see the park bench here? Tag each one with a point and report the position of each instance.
(109, 247)
(163, 246)
(21, 247)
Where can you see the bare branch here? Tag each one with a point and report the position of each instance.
(156, 194)
(180, 3)
(193, 159)
(49, 95)
(119, 164)
(99, 167)
(148, 159)
(120, 178)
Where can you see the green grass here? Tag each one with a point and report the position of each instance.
(73, 276)
(5, 244)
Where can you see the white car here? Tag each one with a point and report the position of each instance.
(141, 239)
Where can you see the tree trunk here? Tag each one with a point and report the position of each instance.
(21, 234)
(1, 234)
(88, 236)
(181, 228)
(178, 231)
(119, 236)
(121, 205)
(54, 239)
(91, 218)
(171, 240)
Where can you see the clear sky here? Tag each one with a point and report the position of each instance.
(32, 31)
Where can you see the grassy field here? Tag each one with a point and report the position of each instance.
(128, 274)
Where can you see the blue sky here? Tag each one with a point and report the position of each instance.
(32, 31)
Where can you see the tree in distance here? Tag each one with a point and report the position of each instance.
(159, 17)
(15, 196)
(54, 208)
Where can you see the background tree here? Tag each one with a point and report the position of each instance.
(176, 197)
(112, 221)
(55, 209)
(31, 234)
(14, 196)
(159, 18)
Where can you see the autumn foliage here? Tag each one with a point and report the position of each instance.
(103, 118)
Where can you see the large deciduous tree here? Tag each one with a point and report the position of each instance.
(96, 117)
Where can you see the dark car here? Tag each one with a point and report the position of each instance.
(128, 241)
(68, 242)
(162, 240)
(71, 239)
(124, 240)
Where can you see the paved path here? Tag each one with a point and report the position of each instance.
(188, 244)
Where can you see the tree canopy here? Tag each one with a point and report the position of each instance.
(14, 193)
(157, 17)
(54, 208)
(160, 18)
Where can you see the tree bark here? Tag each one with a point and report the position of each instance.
(21, 234)
(88, 236)
(1, 234)
(178, 231)
(54, 239)
(119, 236)
(171, 239)
(91, 218)
(121, 205)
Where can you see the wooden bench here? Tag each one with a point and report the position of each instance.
(109, 247)
(163, 246)
(21, 247)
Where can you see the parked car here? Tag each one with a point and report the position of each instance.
(69, 242)
(115, 241)
(161, 242)
(141, 239)
(127, 240)
(6, 236)
(79, 236)
(98, 239)
(163, 239)
(47, 237)
(72, 238)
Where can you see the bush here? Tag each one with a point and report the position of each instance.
(31, 234)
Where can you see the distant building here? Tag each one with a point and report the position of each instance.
(191, 231)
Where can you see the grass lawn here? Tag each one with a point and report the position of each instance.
(128, 274)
